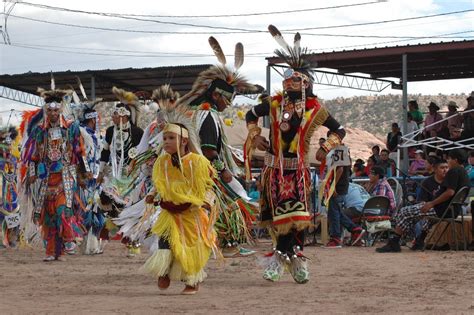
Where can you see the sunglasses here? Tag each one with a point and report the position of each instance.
(294, 75)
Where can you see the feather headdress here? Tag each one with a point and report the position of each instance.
(173, 114)
(84, 107)
(131, 100)
(221, 72)
(165, 97)
(293, 56)
(53, 95)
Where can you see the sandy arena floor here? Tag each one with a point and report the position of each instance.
(349, 280)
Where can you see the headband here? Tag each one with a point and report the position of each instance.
(122, 111)
(54, 105)
(177, 130)
(91, 115)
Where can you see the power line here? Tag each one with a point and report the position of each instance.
(379, 22)
(44, 6)
(209, 33)
(143, 54)
(128, 17)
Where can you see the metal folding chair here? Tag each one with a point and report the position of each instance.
(375, 210)
(454, 210)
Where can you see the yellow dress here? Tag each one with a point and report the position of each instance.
(189, 233)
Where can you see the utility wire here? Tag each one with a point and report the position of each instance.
(209, 33)
(48, 7)
(250, 30)
(142, 54)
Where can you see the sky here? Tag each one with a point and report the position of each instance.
(75, 48)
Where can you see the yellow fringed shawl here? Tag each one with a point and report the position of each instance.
(187, 186)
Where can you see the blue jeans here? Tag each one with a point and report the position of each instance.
(337, 218)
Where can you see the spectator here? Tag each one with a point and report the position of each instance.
(418, 166)
(470, 168)
(336, 215)
(394, 138)
(431, 118)
(378, 186)
(355, 200)
(455, 133)
(456, 120)
(359, 169)
(430, 164)
(376, 153)
(415, 112)
(370, 163)
(468, 132)
(411, 124)
(387, 163)
(455, 179)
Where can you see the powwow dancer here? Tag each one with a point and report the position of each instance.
(136, 220)
(212, 92)
(183, 182)
(294, 114)
(53, 152)
(119, 148)
(9, 209)
(92, 218)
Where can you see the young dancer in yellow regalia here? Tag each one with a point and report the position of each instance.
(184, 188)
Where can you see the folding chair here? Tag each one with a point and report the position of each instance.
(375, 210)
(454, 210)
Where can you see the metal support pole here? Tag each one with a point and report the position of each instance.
(266, 119)
(93, 87)
(404, 165)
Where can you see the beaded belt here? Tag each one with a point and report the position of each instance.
(174, 208)
(287, 163)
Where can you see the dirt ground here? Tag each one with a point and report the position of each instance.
(348, 280)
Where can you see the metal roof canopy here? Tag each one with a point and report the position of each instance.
(425, 62)
(101, 82)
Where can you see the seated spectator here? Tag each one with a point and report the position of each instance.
(387, 163)
(470, 168)
(468, 132)
(407, 217)
(378, 186)
(456, 120)
(359, 169)
(429, 164)
(455, 133)
(415, 112)
(394, 138)
(370, 163)
(337, 218)
(433, 117)
(418, 166)
(411, 124)
(355, 200)
(376, 153)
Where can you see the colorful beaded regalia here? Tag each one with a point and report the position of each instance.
(9, 208)
(295, 114)
(184, 189)
(52, 154)
(212, 92)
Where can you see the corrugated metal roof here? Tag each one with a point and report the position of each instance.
(133, 79)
